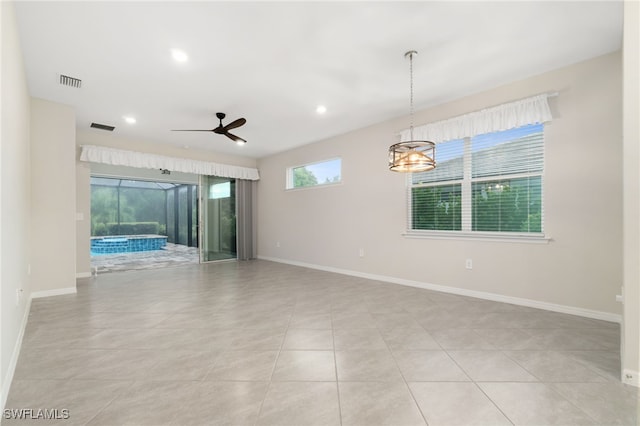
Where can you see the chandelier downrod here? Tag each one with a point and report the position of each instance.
(409, 55)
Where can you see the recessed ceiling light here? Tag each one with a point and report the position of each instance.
(321, 109)
(179, 55)
(129, 119)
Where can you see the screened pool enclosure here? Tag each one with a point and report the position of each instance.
(166, 222)
(135, 207)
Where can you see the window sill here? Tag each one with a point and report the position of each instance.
(479, 236)
(322, 185)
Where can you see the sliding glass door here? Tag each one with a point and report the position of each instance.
(218, 219)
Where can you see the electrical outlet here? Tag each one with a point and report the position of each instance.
(277, 243)
(630, 377)
(361, 252)
(18, 296)
(468, 264)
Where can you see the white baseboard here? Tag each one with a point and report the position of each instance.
(13, 362)
(54, 292)
(571, 310)
(83, 274)
(6, 382)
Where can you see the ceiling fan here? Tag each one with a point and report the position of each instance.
(223, 130)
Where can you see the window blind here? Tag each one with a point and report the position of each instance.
(506, 181)
(449, 164)
(490, 183)
(509, 152)
(436, 195)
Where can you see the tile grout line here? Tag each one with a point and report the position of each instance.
(335, 364)
(104, 407)
(570, 402)
(273, 369)
(480, 388)
(404, 380)
(494, 403)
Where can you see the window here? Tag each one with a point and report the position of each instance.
(315, 174)
(220, 190)
(490, 183)
(436, 196)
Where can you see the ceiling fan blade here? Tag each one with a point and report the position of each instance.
(237, 123)
(221, 130)
(234, 137)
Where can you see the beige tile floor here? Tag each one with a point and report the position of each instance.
(260, 343)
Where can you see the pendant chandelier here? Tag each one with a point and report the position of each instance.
(412, 155)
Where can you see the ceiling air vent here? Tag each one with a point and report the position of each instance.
(65, 80)
(102, 127)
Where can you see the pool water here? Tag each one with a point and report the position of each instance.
(126, 244)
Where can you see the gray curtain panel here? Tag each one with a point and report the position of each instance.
(246, 249)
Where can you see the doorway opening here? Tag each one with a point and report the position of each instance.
(142, 224)
(219, 240)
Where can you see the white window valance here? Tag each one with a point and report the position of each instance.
(502, 117)
(119, 157)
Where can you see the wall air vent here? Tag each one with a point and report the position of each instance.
(102, 127)
(65, 80)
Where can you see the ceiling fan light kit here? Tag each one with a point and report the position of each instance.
(222, 130)
(413, 155)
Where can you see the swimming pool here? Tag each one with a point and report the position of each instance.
(126, 244)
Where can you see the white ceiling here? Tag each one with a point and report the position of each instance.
(274, 62)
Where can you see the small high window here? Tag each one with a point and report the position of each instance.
(315, 174)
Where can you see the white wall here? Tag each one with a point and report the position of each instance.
(53, 198)
(14, 196)
(631, 72)
(580, 268)
(83, 220)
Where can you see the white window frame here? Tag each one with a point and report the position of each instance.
(289, 184)
(466, 183)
